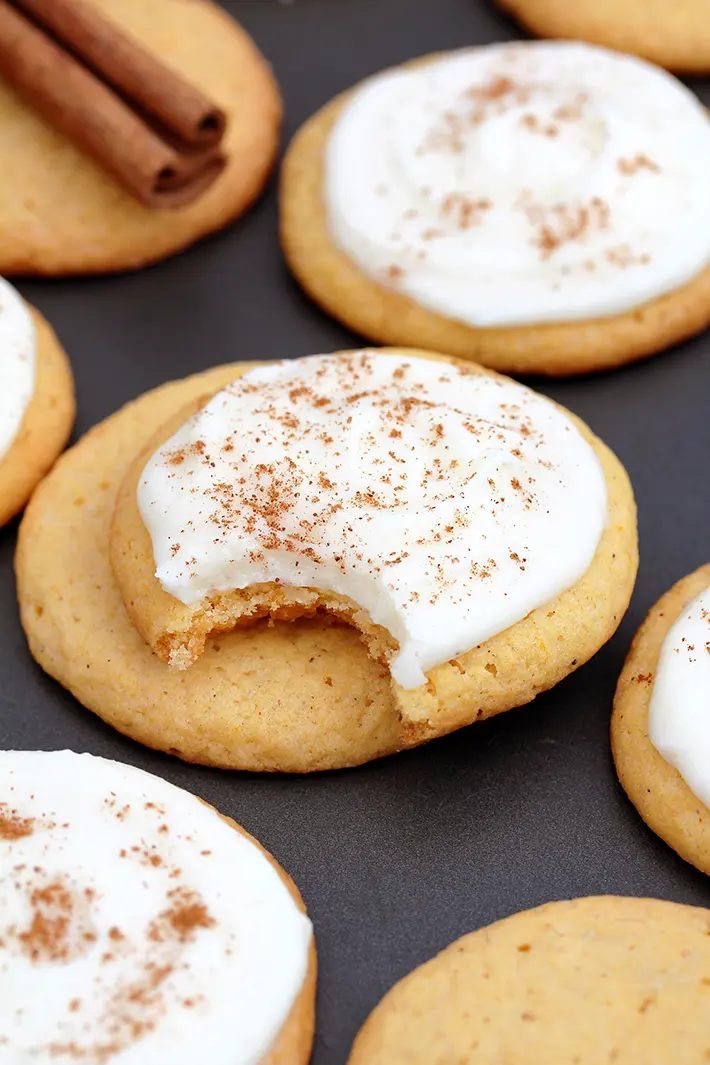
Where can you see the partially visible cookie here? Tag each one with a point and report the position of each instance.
(292, 696)
(154, 927)
(518, 205)
(666, 676)
(586, 982)
(674, 35)
(61, 213)
(37, 402)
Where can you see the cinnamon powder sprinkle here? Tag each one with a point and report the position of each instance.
(12, 826)
(636, 163)
(407, 452)
(185, 915)
(566, 224)
(534, 124)
(60, 927)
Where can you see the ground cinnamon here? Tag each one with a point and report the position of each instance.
(149, 156)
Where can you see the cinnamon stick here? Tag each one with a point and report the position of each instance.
(122, 62)
(75, 101)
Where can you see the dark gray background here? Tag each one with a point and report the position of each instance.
(398, 858)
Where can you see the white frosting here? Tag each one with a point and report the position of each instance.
(446, 503)
(524, 183)
(136, 926)
(679, 711)
(17, 363)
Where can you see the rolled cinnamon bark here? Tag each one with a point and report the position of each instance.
(118, 59)
(76, 102)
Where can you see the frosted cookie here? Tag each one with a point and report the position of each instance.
(36, 400)
(61, 213)
(430, 506)
(591, 981)
(675, 35)
(306, 694)
(137, 925)
(660, 732)
(538, 207)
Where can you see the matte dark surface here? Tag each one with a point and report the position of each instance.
(398, 858)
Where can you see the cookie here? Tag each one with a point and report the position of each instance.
(138, 923)
(676, 36)
(517, 204)
(37, 403)
(292, 696)
(61, 213)
(429, 504)
(591, 981)
(658, 734)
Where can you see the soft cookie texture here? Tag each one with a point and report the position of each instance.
(674, 35)
(61, 213)
(45, 427)
(386, 315)
(591, 981)
(655, 787)
(291, 696)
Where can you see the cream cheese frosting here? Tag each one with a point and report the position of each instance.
(679, 711)
(445, 502)
(523, 183)
(17, 363)
(136, 926)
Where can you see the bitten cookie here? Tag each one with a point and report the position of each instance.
(36, 400)
(539, 207)
(137, 924)
(676, 36)
(61, 213)
(591, 981)
(306, 694)
(659, 731)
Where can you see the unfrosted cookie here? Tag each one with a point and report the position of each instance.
(587, 982)
(674, 35)
(292, 696)
(36, 400)
(138, 925)
(538, 207)
(659, 730)
(61, 213)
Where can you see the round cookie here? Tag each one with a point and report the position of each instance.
(676, 36)
(45, 426)
(585, 982)
(62, 214)
(655, 787)
(291, 696)
(379, 310)
(122, 896)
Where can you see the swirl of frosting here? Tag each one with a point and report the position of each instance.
(678, 719)
(17, 363)
(136, 926)
(445, 502)
(525, 183)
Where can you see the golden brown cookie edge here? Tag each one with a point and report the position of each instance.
(662, 45)
(45, 427)
(656, 788)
